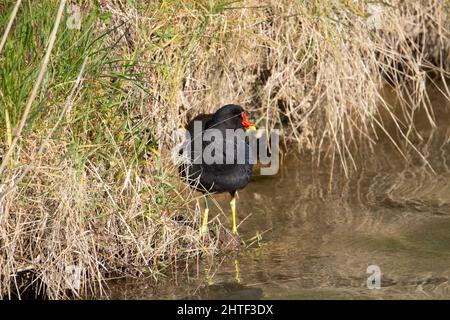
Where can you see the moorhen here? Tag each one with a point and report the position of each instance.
(219, 176)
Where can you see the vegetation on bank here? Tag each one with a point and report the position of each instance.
(86, 180)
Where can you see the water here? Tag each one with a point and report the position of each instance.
(321, 232)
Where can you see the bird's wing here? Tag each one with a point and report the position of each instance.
(238, 147)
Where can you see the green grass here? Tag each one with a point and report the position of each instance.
(98, 173)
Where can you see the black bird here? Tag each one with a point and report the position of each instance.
(219, 175)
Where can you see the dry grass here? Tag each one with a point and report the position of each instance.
(314, 68)
(85, 187)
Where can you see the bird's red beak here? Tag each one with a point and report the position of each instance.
(246, 123)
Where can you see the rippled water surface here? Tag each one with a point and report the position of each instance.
(320, 232)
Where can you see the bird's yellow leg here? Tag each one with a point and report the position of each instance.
(237, 274)
(204, 227)
(233, 214)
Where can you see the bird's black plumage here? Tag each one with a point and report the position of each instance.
(222, 176)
